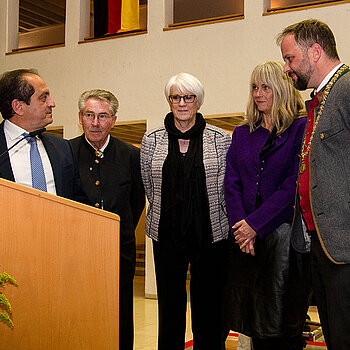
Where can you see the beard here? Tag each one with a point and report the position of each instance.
(303, 76)
(302, 82)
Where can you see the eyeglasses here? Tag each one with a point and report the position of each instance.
(101, 116)
(174, 99)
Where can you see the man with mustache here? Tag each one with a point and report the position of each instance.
(322, 214)
(111, 176)
(44, 162)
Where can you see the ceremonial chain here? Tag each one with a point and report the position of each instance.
(306, 148)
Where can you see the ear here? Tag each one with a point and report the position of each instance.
(114, 119)
(315, 52)
(17, 107)
(80, 119)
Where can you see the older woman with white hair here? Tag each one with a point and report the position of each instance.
(183, 168)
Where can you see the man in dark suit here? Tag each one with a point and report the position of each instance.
(322, 215)
(111, 177)
(26, 106)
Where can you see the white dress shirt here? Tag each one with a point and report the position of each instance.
(328, 77)
(102, 149)
(20, 157)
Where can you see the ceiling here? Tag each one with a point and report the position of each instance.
(34, 14)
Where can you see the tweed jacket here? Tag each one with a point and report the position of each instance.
(330, 177)
(154, 150)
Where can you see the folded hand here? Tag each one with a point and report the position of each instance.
(244, 236)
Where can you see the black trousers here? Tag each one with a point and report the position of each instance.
(126, 317)
(292, 343)
(331, 285)
(207, 273)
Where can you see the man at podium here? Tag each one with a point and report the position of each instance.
(27, 156)
(111, 177)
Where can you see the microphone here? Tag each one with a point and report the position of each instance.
(30, 134)
(35, 133)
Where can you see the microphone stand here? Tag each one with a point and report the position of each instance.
(30, 134)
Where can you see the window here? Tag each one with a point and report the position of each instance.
(196, 11)
(107, 18)
(276, 5)
(41, 23)
(227, 121)
(130, 131)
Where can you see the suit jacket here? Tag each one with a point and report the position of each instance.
(154, 150)
(330, 177)
(115, 181)
(274, 176)
(60, 154)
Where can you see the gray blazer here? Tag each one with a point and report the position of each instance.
(154, 150)
(330, 177)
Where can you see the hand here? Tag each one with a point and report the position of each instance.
(248, 248)
(244, 236)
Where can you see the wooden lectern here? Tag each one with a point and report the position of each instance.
(65, 258)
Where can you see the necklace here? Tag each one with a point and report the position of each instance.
(306, 147)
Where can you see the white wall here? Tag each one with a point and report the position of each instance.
(136, 68)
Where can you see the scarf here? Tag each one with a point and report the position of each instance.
(184, 222)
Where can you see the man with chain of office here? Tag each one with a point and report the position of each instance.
(322, 214)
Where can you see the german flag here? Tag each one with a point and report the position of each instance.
(113, 16)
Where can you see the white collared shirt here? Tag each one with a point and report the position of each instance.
(328, 77)
(102, 148)
(20, 157)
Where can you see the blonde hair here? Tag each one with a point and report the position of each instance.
(287, 102)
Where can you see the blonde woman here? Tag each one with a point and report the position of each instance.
(265, 297)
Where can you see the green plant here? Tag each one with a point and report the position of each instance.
(5, 306)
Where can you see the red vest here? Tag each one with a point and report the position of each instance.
(304, 178)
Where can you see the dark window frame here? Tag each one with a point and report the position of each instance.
(304, 5)
(206, 20)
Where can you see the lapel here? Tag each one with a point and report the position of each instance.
(159, 154)
(5, 165)
(321, 93)
(211, 160)
(51, 151)
(118, 161)
(280, 140)
(208, 148)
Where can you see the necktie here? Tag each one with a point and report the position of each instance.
(38, 174)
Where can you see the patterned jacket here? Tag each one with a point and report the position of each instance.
(154, 150)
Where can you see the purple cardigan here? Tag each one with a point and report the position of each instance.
(274, 175)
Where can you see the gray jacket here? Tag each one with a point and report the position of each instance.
(330, 177)
(154, 150)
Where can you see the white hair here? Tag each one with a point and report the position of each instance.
(185, 83)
